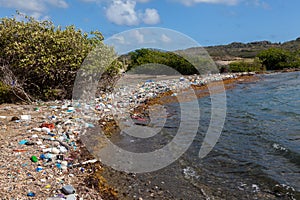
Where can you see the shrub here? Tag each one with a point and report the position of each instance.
(43, 57)
(244, 66)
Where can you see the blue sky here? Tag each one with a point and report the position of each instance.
(209, 22)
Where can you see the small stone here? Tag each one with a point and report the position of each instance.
(68, 189)
(15, 118)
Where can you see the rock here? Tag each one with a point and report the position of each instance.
(15, 118)
(68, 189)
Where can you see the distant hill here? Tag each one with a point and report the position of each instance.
(238, 50)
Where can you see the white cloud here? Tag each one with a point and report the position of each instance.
(123, 12)
(35, 8)
(226, 2)
(151, 16)
(34, 5)
(164, 38)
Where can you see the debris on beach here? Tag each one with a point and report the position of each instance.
(42, 156)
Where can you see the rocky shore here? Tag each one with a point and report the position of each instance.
(42, 156)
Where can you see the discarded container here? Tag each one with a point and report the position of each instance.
(39, 168)
(47, 150)
(51, 126)
(34, 159)
(22, 142)
(37, 129)
(48, 186)
(45, 129)
(59, 157)
(64, 163)
(31, 194)
(71, 197)
(26, 117)
(19, 150)
(58, 165)
(55, 151)
(70, 109)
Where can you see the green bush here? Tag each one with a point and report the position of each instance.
(244, 66)
(43, 57)
(277, 59)
(5, 93)
(154, 57)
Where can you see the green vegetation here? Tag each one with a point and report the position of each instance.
(246, 66)
(40, 59)
(4, 93)
(278, 59)
(159, 58)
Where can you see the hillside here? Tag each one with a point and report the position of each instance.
(248, 50)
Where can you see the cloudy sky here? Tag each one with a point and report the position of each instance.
(209, 22)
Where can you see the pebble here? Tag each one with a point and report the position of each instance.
(68, 189)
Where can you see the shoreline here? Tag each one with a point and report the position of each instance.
(89, 179)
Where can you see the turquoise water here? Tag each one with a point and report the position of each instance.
(257, 155)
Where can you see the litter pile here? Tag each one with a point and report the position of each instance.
(41, 157)
(41, 153)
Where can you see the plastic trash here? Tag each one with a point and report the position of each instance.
(26, 117)
(68, 189)
(60, 157)
(50, 126)
(34, 159)
(58, 165)
(19, 150)
(22, 142)
(47, 150)
(29, 143)
(39, 168)
(70, 109)
(71, 197)
(37, 129)
(63, 149)
(55, 151)
(31, 194)
(45, 129)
